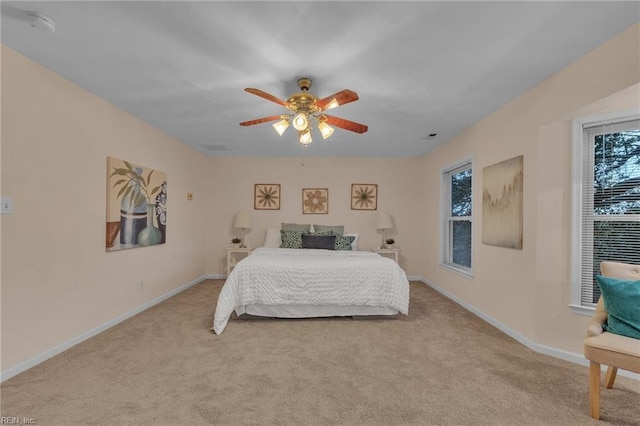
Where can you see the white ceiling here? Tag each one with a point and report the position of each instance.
(418, 67)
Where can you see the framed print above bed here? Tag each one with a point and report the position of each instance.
(315, 201)
(266, 196)
(364, 196)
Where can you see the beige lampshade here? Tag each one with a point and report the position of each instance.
(242, 220)
(383, 221)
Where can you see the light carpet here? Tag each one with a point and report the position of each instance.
(440, 365)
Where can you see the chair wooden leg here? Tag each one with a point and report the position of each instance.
(594, 389)
(611, 376)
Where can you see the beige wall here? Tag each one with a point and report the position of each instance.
(400, 189)
(57, 280)
(528, 290)
(1, 109)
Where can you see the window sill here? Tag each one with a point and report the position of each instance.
(587, 311)
(468, 274)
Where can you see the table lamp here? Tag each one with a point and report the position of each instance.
(383, 222)
(242, 221)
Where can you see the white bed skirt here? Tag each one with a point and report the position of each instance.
(312, 311)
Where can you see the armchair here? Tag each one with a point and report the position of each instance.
(602, 347)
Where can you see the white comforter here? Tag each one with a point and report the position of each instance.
(274, 276)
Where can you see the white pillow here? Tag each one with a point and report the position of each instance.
(354, 244)
(272, 238)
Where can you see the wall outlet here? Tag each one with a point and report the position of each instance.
(6, 204)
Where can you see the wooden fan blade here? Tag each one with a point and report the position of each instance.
(261, 120)
(342, 97)
(266, 96)
(346, 124)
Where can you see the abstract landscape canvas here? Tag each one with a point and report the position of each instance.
(502, 203)
(136, 206)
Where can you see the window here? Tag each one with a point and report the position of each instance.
(457, 223)
(606, 202)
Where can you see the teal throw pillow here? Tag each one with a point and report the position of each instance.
(622, 302)
(344, 242)
(291, 239)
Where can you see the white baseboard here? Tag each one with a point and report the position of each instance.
(215, 277)
(17, 369)
(543, 349)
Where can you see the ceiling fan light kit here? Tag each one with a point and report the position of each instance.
(324, 128)
(300, 121)
(305, 136)
(282, 125)
(307, 112)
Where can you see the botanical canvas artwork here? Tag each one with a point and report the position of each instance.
(136, 206)
(364, 196)
(502, 203)
(266, 196)
(315, 201)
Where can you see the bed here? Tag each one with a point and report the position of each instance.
(305, 283)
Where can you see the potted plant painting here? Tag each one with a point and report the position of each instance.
(136, 193)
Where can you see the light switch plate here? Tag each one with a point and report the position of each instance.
(6, 205)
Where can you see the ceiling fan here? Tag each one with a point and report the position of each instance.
(307, 112)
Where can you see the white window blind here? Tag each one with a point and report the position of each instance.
(610, 201)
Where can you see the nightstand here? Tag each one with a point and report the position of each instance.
(235, 255)
(391, 253)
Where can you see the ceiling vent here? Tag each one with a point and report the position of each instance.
(430, 136)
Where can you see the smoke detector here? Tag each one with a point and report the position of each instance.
(41, 22)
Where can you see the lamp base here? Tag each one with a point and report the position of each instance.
(242, 244)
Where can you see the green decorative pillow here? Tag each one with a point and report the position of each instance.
(295, 227)
(622, 302)
(325, 233)
(291, 239)
(337, 230)
(344, 242)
